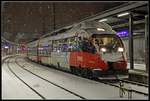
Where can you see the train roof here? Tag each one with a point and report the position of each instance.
(90, 26)
(107, 29)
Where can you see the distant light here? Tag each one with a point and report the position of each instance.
(102, 20)
(122, 14)
(40, 48)
(58, 51)
(100, 29)
(6, 47)
(18, 48)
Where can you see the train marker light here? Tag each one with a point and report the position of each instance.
(100, 29)
(102, 20)
(123, 14)
(120, 49)
(103, 49)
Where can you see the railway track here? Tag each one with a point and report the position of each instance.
(126, 85)
(73, 93)
(135, 83)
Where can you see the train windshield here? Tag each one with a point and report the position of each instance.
(110, 42)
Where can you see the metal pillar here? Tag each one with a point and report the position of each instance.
(146, 43)
(131, 51)
(53, 12)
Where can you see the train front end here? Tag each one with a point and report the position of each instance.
(110, 49)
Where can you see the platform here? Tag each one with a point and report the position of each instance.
(138, 76)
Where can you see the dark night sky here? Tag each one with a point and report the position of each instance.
(38, 17)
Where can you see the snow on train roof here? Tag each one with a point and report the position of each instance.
(89, 26)
(94, 26)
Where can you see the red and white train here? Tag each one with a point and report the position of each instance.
(90, 49)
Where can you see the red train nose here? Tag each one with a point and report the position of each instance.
(120, 65)
(102, 64)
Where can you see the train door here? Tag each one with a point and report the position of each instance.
(50, 50)
(54, 53)
(65, 45)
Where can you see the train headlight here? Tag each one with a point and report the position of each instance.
(103, 49)
(120, 49)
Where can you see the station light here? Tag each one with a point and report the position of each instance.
(102, 20)
(6, 47)
(123, 14)
(123, 33)
(100, 29)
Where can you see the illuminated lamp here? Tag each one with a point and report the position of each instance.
(123, 14)
(123, 33)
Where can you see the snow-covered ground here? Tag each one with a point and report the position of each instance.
(13, 88)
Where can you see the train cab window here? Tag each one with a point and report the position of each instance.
(87, 46)
(111, 42)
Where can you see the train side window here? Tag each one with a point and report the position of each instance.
(55, 45)
(49, 49)
(64, 47)
(73, 46)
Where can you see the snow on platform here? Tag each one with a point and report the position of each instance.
(137, 66)
(13, 88)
